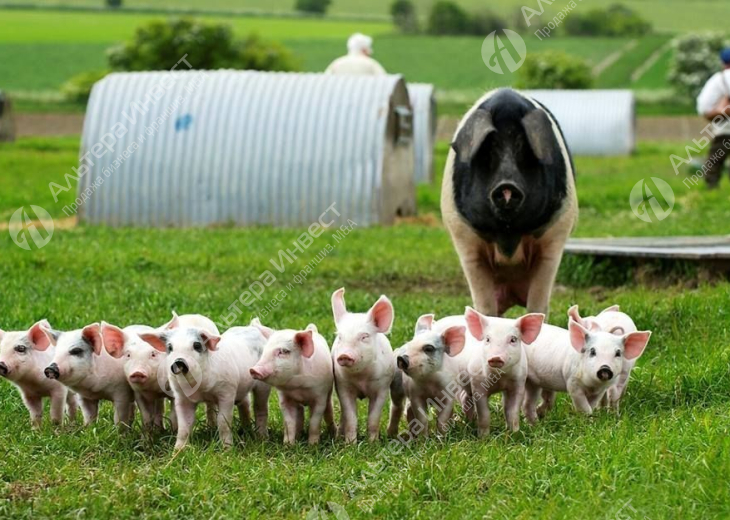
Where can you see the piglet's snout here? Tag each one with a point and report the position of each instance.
(403, 362)
(180, 367)
(345, 360)
(259, 373)
(52, 371)
(605, 373)
(4, 369)
(138, 377)
(496, 362)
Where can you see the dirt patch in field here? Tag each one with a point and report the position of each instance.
(48, 124)
(58, 223)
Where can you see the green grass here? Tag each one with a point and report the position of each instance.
(666, 15)
(618, 75)
(666, 452)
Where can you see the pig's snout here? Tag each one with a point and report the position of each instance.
(52, 371)
(507, 196)
(259, 373)
(179, 367)
(496, 362)
(345, 360)
(3, 369)
(605, 373)
(403, 363)
(137, 377)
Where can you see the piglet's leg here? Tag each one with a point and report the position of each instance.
(329, 417)
(348, 405)
(532, 394)
(244, 412)
(58, 404)
(72, 405)
(483, 418)
(35, 408)
(580, 401)
(185, 411)
(261, 393)
(315, 420)
(225, 420)
(375, 411)
(444, 416)
(90, 410)
(289, 411)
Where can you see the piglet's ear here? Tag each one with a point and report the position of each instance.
(574, 314)
(635, 343)
(92, 335)
(477, 323)
(305, 341)
(266, 332)
(173, 323)
(612, 308)
(381, 315)
(51, 334)
(113, 339)
(158, 340)
(578, 335)
(38, 339)
(338, 304)
(530, 325)
(210, 340)
(424, 323)
(454, 339)
(313, 328)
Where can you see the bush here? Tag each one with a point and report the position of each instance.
(114, 3)
(312, 6)
(448, 18)
(404, 16)
(159, 45)
(554, 70)
(484, 22)
(616, 20)
(695, 60)
(78, 88)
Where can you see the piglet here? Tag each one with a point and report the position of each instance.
(205, 367)
(23, 356)
(81, 364)
(299, 365)
(500, 363)
(363, 361)
(580, 362)
(616, 322)
(434, 370)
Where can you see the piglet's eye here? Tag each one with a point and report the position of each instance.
(513, 340)
(592, 352)
(76, 351)
(21, 349)
(618, 353)
(198, 346)
(169, 348)
(364, 337)
(285, 351)
(153, 354)
(429, 349)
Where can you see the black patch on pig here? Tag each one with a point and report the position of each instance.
(508, 140)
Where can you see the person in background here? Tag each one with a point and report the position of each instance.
(713, 101)
(358, 60)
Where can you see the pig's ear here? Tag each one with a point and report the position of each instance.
(475, 322)
(313, 328)
(530, 325)
(210, 340)
(618, 331)
(37, 337)
(472, 134)
(454, 339)
(113, 339)
(92, 335)
(266, 332)
(173, 323)
(304, 341)
(612, 308)
(338, 304)
(578, 335)
(574, 314)
(51, 334)
(381, 314)
(158, 340)
(425, 322)
(635, 343)
(541, 136)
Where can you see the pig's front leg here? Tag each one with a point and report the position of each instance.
(348, 405)
(244, 412)
(261, 393)
(185, 411)
(123, 412)
(315, 420)
(329, 416)
(532, 395)
(35, 408)
(72, 405)
(420, 416)
(211, 415)
(58, 404)
(512, 398)
(172, 416)
(375, 411)
(444, 416)
(542, 279)
(481, 282)
(225, 419)
(146, 410)
(580, 401)
(548, 403)
(290, 411)
(90, 410)
(483, 419)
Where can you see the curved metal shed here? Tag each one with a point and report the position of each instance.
(424, 129)
(245, 148)
(594, 122)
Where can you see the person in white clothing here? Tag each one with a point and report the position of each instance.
(358, 60)
(714, 104)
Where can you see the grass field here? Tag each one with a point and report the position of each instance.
(664, 456)
(667, 15)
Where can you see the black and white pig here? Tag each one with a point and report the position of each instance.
(508, 200)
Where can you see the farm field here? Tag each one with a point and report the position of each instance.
(664, 456)
(669, 15)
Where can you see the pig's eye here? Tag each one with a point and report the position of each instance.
(513, 340)
(129, 356)
(169, 348)
(198, 346)
(592, 352)
(618, 353)
(486, 340)
(364, 337)
(21, 349)
(429, 349)
(153, 354)
(76, 351)
(285, 352)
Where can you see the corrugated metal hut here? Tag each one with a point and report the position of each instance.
(594, 122)
(7, 120)
(424, 129)
(199, 148)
